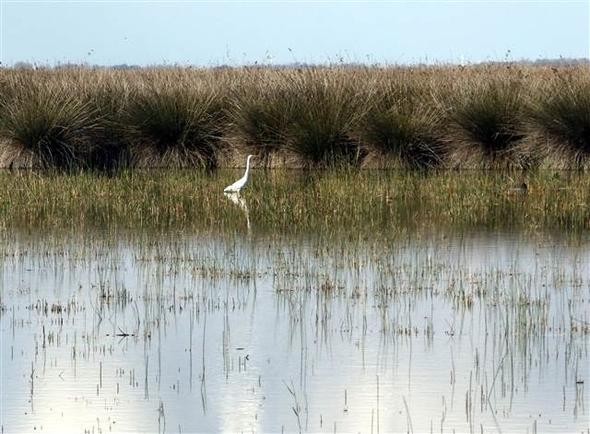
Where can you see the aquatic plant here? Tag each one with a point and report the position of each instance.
(365, 202)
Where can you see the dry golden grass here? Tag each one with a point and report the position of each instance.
(479, 116)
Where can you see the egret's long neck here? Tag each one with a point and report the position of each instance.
(247, 168)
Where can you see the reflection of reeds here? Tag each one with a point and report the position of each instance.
(420, 117)
(516, 315)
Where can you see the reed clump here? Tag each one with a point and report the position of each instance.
(486, 121)
(174, 124)
(260, 114)
(327, 109)
(43, 124)
(480, 116)
(403, 123)
(109, 99)
(560, 118)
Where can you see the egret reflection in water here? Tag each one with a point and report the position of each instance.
(238, 200)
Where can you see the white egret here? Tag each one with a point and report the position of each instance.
(237, 186)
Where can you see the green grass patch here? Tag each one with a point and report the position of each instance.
(365, 202)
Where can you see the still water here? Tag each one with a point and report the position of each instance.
(472, 332)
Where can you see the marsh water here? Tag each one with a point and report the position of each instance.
(240, 331)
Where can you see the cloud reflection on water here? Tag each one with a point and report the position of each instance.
(225, 324)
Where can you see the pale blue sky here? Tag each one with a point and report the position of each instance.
(237, 32)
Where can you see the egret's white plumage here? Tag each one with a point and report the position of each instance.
(237, 186)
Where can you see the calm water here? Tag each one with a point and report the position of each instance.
(246, 332)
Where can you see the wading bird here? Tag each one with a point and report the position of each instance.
(519, 189)
(237, 186)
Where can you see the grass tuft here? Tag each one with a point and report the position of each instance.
(327, 109)
(402, 122)
(486, 118)
(260, 115)
(46, 125)
(174, 125)
(111, 151)
(560, 114)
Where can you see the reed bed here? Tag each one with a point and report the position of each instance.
(372, 203)
(479, 116)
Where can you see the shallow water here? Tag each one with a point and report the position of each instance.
(244, 332)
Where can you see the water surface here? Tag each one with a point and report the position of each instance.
(179, 332)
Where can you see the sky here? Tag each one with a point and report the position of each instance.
(210, 33)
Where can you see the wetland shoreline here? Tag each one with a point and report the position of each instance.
(333, 201)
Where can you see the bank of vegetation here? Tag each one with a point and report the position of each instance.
(351, 202)
(481, 116)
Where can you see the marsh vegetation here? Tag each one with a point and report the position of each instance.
(335, 201)
(136, 296)
(479, 116)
